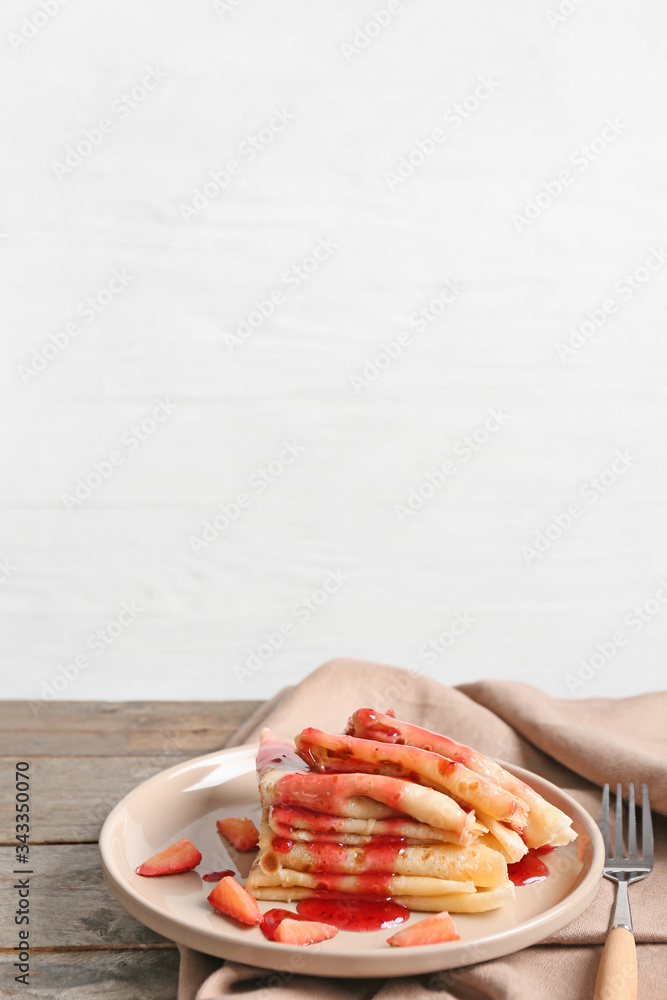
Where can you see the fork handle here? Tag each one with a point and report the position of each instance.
(617, 975)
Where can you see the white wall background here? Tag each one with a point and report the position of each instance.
(356, 111)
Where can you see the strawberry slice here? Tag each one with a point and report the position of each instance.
(272, 918)
(240, 832)
(230, 898)
(431, 930)
(303, 932)
(179, 857)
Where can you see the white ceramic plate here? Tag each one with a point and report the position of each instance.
(186, 800)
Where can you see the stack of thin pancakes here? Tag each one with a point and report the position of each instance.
(392, 809)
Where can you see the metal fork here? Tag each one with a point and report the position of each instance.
(617, 975)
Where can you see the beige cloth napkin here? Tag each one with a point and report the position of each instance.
(577, 744)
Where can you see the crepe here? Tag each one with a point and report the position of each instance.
(348, 794)
(329, 752)
(304, 824)
(393, 810)
(545, 824)
(365, 883)
(501, 838)
(478, 863)
(478, 902)
(461, 902)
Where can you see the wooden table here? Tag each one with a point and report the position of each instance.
(84, 756)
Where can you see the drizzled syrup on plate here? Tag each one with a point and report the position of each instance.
(530, 868)
(216, 876)
(353, 912)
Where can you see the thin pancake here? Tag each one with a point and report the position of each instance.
(329, 752)
(507, 841)
(462, 902)
(477, 863)
(304, 824)
(476, 902)
(347, 794)
(545, 823)
(368, 883)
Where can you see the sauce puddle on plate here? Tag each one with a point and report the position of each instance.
(531, 868)
(351, 912)
(216, 876)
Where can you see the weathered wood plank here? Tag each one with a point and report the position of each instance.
(138, 974)
(117, 728)
(70, 905)
(70, 797)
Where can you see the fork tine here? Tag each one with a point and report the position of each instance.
(632, 823)
(618, 838)
(647, 827)
(604, 818)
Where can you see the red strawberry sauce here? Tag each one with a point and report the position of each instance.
(378, 857)
(216, 876)
(352, 912)
(282, 845)
(530, 869)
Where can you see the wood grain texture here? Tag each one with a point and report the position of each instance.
(83, 942)
(137, 974)
(86, 756)
(118, 728)
(70, 905)
(617, 975)
(72, 796)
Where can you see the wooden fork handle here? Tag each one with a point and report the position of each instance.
(617, 975)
